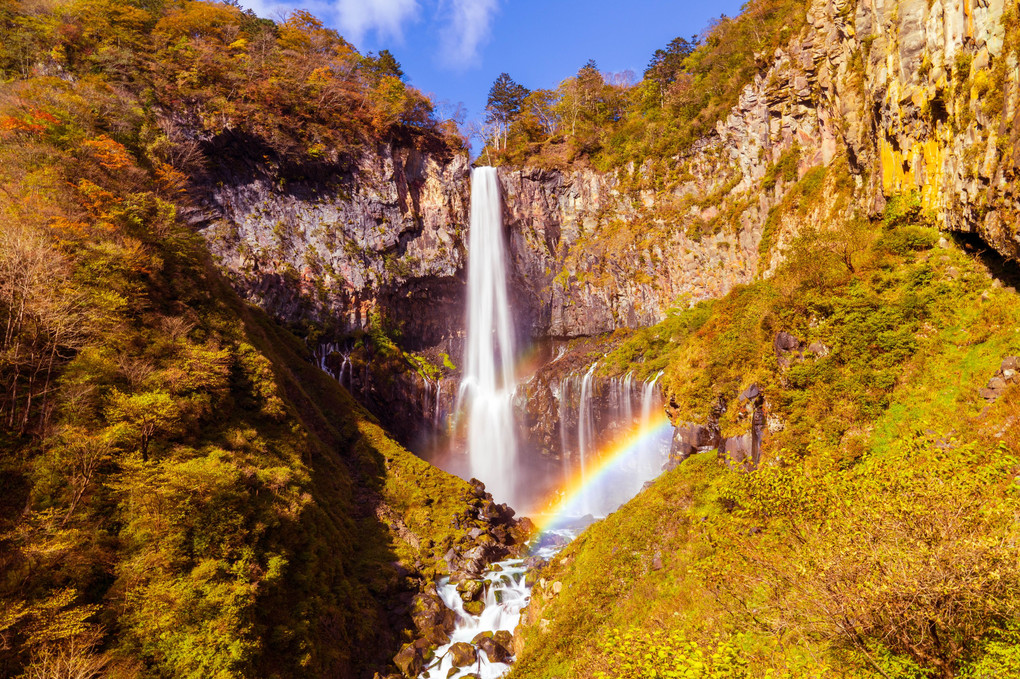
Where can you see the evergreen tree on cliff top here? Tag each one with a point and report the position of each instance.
(506, 98)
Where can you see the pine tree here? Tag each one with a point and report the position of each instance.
(506, 98)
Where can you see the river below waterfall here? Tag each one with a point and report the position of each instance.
(481, 645)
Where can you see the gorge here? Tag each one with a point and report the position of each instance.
(708, 373)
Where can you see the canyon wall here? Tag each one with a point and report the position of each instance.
(907, 98)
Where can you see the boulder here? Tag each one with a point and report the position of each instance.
(504, 639)
(470, 590)
(474, 607)
(818, 349)
(785, 343)
(1010, 363)
(494, 651)
(488, 634)
(463, 654)
(410, 660)
(750, 394)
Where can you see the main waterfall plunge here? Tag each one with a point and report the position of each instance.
(489, 382)
(544, 426)
(597, 418)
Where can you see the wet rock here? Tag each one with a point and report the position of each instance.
(488, 634)
(433, 620)
(494, 651)
(463, 654)
(504, 639)
(470, 590)
(474, 607)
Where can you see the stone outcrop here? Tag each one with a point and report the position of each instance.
(1006, 375)
(917, 95)
(384, 235)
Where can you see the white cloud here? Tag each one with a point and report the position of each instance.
(469, 23)
(386, 17)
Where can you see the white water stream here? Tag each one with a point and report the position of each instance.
(506, 594)
(489, 382)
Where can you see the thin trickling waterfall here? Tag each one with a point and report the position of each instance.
(562, 407)
(585, 425)
(628, 400)
(439, 400)
(489, 381)
(648, 394)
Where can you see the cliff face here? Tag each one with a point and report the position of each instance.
(908, 98)
(336, 245)
(917, 97)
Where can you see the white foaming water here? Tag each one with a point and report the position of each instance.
(505, 595)
(628, 401)
(489, 380)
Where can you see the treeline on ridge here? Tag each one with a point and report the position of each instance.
(608, 120)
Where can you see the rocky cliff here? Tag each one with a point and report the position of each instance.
(910, 99)
(337, 244)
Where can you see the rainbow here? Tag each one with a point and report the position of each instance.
(566, 503)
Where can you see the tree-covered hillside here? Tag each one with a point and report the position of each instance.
(183, 493)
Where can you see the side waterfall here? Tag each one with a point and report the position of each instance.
(585, 429)
(489, 380)
(610, 415)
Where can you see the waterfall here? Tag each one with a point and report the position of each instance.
(654, 454)
(628, 400)
(585, 427)
(439, 398)
(648, 394)
(563, 405)
(489, 381)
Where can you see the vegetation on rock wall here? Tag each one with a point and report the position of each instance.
(209, 67)
(878, 538)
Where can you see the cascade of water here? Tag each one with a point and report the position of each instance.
(322, 354)
(585, 428)
(649, 460)
(628, 400)
(648, 394)
(506, 593)
(344, 376)
(562, 405)
(439, 398)
(489, 380)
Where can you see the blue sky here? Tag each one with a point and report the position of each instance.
(454, 49)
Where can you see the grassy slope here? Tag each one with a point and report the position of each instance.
(855, 488)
